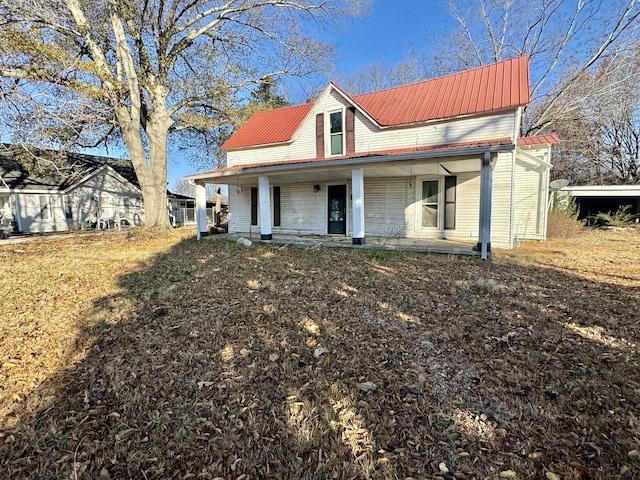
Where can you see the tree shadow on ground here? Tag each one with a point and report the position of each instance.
(280, 363)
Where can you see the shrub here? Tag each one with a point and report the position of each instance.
(620, 218)
(562, 221)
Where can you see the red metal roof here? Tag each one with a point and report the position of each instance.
(538, 140)
(497, 86)
(269, 126)
(493, 87)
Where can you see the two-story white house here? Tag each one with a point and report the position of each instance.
(442, 158)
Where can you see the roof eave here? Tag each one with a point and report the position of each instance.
(353, 161)
(260, 145)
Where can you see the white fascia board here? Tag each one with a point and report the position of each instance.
(520, 151)
(344, 95)
(28, 191)
(603, 190)
(345, 162)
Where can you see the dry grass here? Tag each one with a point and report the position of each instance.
(562, 225)
(163, 357)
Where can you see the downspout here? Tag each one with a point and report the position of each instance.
(512, 200)
(545, 208)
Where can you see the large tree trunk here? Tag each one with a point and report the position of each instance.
(152, 170)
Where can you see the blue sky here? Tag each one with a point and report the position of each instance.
(392, 27)
(388, 32)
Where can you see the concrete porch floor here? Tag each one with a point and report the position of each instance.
(340, 241)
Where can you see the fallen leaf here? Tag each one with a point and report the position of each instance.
(274, 357)
(551, 476)
(443, 467)
(508, 474)
(319, 351)
(367, 386)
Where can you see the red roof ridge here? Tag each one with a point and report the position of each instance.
(297, 105)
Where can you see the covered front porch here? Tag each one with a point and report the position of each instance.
(311, 242)
(419, 211)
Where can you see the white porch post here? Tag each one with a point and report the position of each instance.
(201, 210)
(486, 181)
(357, 205)
(264, 196)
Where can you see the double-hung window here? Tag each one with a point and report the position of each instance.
(336, 132)
(429, 202)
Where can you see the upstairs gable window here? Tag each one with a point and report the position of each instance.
(336, 132)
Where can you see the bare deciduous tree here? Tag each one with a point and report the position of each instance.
(182, 187)
(382, 75)
(564, 39)
(141, 70)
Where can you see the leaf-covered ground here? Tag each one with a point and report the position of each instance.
(163, 357)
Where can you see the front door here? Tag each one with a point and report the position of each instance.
(337, 209)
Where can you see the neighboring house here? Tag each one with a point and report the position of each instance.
(84, 191)
(594, 199)
(436, 159)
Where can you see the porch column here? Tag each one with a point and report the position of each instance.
(357, 205)
(201, 210)
(264, 196)
(486, 181)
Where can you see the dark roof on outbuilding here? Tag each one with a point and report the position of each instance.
(62, 168)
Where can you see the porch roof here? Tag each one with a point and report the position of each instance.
(454, 158)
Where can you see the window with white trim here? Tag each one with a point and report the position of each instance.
(336, 132)
(429, 203)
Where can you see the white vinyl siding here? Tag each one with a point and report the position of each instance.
(303, 211)
(32, 218)
(240, 209)
(530, 199)
(385, 205)
(368, 138)
(501, 201)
